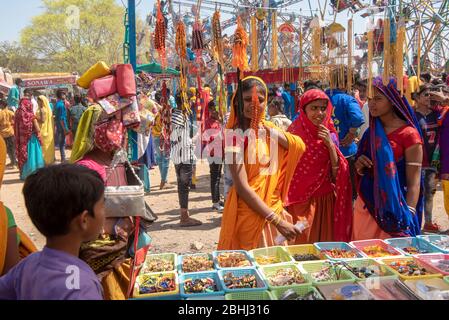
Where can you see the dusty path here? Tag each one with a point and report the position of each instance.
(166, 233)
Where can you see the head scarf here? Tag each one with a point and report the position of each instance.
(314, 167)
(384, 192)
(23, 129)
(48, 140)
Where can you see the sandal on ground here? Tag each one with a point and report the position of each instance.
(190, 223)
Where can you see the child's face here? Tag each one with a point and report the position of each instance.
(95, 224)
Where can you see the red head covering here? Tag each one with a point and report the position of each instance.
(312, 177)
(23, 129)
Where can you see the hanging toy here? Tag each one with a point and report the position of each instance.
(181, 43)
(217, 38)
(239, 56)
(197, 41)
(181, 49)
(166, 121)
(274, 41)
(160, 36)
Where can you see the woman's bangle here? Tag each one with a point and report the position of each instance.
(412, 210)
(270, 217)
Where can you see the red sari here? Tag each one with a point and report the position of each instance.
(312, 194)
(23, 129)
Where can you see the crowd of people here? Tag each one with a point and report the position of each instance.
(350, 167)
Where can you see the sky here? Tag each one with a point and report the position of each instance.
(17, 14)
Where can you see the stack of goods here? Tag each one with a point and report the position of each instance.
(305, 257)
(195, 286)
(266, 260)
(377, 251)
(158, 265)
(247, 281)
(408, 268)
(285, 277)
(154, 283)
(232, 260)
(327, 273)
(414, 250)
(340, 253)
(197, 263)
(366, 272)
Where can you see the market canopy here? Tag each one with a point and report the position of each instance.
(156, 68)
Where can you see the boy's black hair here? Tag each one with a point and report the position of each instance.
(18, 81)
(59, 93)
(57, 194)
(211, 105)
(77, 99)
(178, 99)
(426, 76)
(310, 84)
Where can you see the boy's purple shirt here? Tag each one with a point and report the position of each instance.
(51, 275)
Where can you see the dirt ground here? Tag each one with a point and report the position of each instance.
(166, 234)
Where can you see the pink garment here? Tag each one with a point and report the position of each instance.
(91, 164)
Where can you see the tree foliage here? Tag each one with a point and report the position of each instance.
(15, 57)
(61, 44)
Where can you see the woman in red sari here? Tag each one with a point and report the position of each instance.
(320, 191)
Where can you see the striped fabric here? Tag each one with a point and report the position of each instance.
(182, 147)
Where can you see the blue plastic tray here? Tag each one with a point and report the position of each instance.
(261, 285)
(432, 238)
(337, 245)
(217, 266)
(419, 243)
(200, 275)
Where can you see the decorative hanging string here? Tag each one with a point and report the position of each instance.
(160, 36)
(316, 45)
(181, 50)
(166, 121)
(418, 72)
(217, 38)
(239, 55)
(197, 41)
(254, 45)
(399, 55)
(255, 112)
(350, 52)
(387, 52)
(274, 41)
(301, 52)
(370, 63)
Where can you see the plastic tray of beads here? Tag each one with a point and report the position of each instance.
(363, 269)
(326, 272)
(306, 292)
(338, 250)
(411, 246)
(210, 277)
(161, 290)
(304, 252)
(440, 242)
(253, 281)
(268, 272)
(250, 295)
(241, 257)
(410, 268)
(206, 264)
(270, 256)
(376, 248)
(438, 261)
(160, 263)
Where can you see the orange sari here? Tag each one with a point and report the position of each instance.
(241, 227)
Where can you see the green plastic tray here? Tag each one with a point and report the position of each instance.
(249, 295)
(268, 270)
(312, 267)
(301, 290)
(359, 263)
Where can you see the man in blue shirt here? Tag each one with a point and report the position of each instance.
(289, 103)
(14, 95)
(62, 128)
(348, 118)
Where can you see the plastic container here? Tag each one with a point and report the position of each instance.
(390, 289)
(361, 245)
(422, 245)
(433, 261)
(301, 290)
(345, 291)
(304, 249)
(215, 255)
(208, 298)
(200, 275)
(432, 240)
(249, 295)
(267, 271)
(170, 295)
(261, 285)
(172, 257)
(370, 263)
(429, 289)
(337, 245)
(431, 272)
(182, 257)
(314, 267)
(276, 252)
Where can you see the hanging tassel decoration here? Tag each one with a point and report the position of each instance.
(387, 52)
(166, 121)
(217, 38)
(274, 41)
(160, 36)
(255, 116)
(197, 41)
(181, 42)
(239, 55)
(254, 45)
(370, 63)
(418, 72)
(350, 52)
(399, 56)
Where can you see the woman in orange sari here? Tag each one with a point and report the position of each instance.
(14, 244)
(254, 214)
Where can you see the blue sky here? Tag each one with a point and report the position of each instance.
(17, 14)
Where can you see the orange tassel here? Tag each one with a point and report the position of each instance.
(239, 55)
(159, 36)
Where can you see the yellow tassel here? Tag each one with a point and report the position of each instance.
(274, 40)
(350, 51)
(387, 52)
(399, 59)
(217, 37)
(254, 47)
(301, 40)
(316, 45)
(418, 72)
(370, 63)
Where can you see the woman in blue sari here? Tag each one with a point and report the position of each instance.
(28, 139)
(389, 161)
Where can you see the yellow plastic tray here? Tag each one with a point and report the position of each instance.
(303, 249)
(175, 292)
(434, 273)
